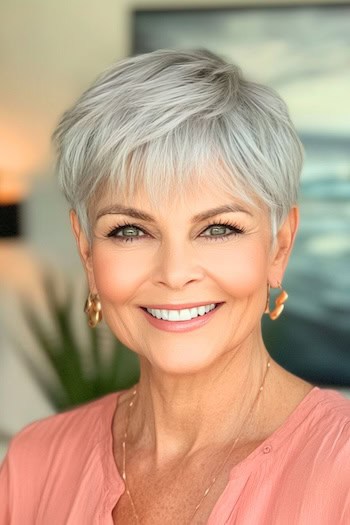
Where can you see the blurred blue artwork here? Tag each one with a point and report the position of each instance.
(303, 51)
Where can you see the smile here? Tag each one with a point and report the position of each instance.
(181, 315)
(181, 320)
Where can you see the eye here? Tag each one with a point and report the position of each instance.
(219, 227)
(130, 230)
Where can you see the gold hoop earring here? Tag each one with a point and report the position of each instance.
(279, 303)
(93, 309)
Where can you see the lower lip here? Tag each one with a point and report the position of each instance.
(181, 326)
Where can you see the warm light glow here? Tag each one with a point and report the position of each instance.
(23, 151)
(13, 188)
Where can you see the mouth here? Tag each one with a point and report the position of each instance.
(186, 315)
(183, 321)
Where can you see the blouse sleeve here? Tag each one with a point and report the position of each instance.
(344, 475)
(5, 491)
(16, 477)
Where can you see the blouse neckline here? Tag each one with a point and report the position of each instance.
(115, 484)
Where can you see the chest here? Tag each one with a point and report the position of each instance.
(172, 496)
(165, 505)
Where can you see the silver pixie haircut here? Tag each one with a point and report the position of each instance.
(168, 119)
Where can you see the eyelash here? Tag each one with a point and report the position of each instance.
(235, 230)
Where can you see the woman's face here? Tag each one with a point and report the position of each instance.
(175, 259)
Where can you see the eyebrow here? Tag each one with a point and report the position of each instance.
(118, 209)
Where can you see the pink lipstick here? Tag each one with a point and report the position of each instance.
(181, 326)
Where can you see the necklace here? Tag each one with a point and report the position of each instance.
(207, 490)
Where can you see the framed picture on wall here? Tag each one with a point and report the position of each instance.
(303, 51)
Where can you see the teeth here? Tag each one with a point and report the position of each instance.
(181, 315)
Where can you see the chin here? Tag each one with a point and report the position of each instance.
(183, 361)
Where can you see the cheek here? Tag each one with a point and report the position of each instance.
(242, 270)
(115, 274)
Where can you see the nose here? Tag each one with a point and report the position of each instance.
(178, 265)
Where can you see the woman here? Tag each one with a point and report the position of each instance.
(182, 178)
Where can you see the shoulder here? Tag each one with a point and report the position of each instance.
(336, 418)
(77, 428)
(316, 435)
(334, 407)
(326, 436)
(327, 456)
(48, 460)
(328, 415)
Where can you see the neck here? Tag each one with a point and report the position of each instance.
(177, 416)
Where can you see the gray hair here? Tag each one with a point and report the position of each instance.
(170, 118)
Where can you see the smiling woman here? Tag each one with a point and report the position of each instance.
(182, 177)
(199, 239)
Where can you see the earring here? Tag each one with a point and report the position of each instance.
(279, 303)
(93, 309)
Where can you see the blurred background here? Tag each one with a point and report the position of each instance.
(49, 53)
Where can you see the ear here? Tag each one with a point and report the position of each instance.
(283, 247)
(84, 249)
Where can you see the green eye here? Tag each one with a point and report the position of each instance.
(217, 228)
(129, 228)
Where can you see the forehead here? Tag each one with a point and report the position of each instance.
(162, 192)
(190, 204)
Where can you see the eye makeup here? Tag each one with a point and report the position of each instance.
(118, 228)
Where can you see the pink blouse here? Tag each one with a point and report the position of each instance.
(61, 471)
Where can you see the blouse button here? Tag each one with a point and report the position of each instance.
(267, 449)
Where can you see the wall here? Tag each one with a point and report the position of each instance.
(49, 52)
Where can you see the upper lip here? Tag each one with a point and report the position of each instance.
(179, 306)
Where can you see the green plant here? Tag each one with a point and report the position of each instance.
(67, 357)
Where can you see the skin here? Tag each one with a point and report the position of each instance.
(188, 380)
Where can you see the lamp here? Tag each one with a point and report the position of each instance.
(12, 191)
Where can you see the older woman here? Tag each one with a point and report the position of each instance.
(182, 178)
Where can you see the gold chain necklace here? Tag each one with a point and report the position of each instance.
(207, 490)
